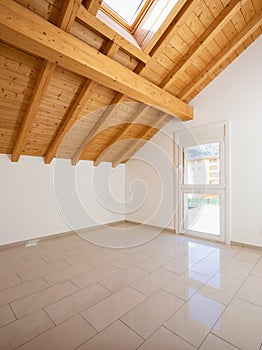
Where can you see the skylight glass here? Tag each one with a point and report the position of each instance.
(127, 10)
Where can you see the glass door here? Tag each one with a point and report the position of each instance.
(201, 186)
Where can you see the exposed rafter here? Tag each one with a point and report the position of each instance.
(222, 55)
(93, 6)
(73, 114)
(65, 21)
(68, 14)
(109, 111)
(143, 136)
(214, 28)
(142, 109)
(28, 31)
(44, 77)
(71, 118)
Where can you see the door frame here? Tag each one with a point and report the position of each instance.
(225, 198)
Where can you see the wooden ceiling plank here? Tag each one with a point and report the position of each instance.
(71, 118)
(97, 25)
(93, 6)
(165, 33)
(226, 52)
(43, 80)
(141, 110)
(214, 28)
(109, 111)
(144, 134)
(65, 21)
(73, 114)
(29, 32)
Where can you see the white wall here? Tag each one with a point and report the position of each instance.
(235, 94)
(39, 200)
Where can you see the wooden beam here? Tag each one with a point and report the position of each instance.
(44, 77)
(68, 14)
(27, 31)
(93, 132)
(71, 118)
(141, 110)
(97, 25)
(93, 6)
(140, 137)
(65, 21)
(214, 28)
(222, 55)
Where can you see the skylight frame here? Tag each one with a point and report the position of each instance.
(117, 18)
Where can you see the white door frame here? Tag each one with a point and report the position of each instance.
(223, 188)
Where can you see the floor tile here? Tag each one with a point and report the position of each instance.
(50, 258)
(105, 259)
(67, 273)
(178, 250)
(257, 271)
(123, 278)
(250, 255)
(214, 343)
(153, 263)
(40, 299)
(147, 317)
(39, 251)
(241, 325)
(75, 303)
(202, 251)
(34, 272)
(166, 340)
(94, 276)
(207, 267)
(22, 290)
(115, 337)
(9, 281)
(153, 282)
(221, 287)
(22, 266)
(110, 309)
(186, 285)
(129, 260)
(252, 290)
(86, 255)
(23, 330)
(195, 319)
(67, 336)
(181, 264)
(237, 268)
(6, 315)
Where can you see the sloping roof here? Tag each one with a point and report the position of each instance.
(74, 87)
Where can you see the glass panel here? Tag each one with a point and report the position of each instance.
(202, 213)
(202, 164)
(127, 10)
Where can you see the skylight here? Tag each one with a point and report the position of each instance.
(127, 10)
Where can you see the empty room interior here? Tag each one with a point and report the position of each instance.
(131, 167)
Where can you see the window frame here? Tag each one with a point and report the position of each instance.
(117, 18)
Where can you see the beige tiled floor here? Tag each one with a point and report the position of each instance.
(173, 292)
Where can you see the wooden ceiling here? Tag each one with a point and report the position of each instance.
(72, 87)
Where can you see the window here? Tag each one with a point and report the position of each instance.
(141, 18)
(126, 13)
(201, 181)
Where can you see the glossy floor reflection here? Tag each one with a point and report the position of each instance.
(173, 292)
